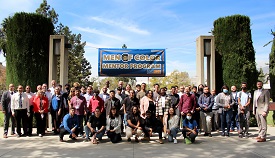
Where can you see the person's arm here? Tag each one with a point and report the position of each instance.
(194, 103)
(65, 123)
(119, 124)
(200, 101)
(248, 100)
(3, 103)
(211, 102)
(218, 101)
(142, 112)
(12, 104)
(176, 121)
(180, 103)
(108, 124)
(130, 123)
(266, 102)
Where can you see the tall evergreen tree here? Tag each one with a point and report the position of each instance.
(233, 41)
(272, 67)
(27, 48)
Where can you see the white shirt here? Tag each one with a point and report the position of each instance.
(30, 95)
(163, 101)
(259, 92)
(15, 102)
(52, 90)
(88, 98)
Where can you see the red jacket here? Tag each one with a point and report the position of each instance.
(36, 104)
(94, 103)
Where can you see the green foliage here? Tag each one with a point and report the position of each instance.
(176, 78)
(234, 43)
(27, 48)
(46, 11)
(272, 67)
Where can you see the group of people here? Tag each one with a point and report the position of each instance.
(91, 113)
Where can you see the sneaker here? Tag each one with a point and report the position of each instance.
(5, 136)
(87, 140)
(61, 139)
(205, 134)
(246, 136)
(227, 135)
(40, 135)
(160, 141)
(209, 135)
(223, 134)
(175, 141)
(145, 139)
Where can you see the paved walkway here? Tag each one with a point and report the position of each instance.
(217, 146)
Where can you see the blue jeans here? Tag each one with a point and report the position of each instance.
(173, 134)
(88, 132)
(226, 120)
(125, 119)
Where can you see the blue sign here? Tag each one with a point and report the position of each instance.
(131, 62)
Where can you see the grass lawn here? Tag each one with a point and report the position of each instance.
(1, 119)
(270, 120)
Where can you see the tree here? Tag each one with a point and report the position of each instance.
(27, 48)
(272, 67)
(262, 76)
(176, 78)
(79, 67)
(234, 43)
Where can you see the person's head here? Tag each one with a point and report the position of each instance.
(233, 88)
(128, 87)
(132, 93)
(171, 111)
(72, 111)
(72, 91)
(89, 89)
(112, 94)
(259, 84)
(156, 87)
(56, 90)
(143, 86)
(40, 93)
(20, 89)
(173, 90)
(244, 86)
(60, 87)
(138, 87)
(134, 110)
(176, 89)
(104, 89)
(225, 89)
(107, 84)
(187, 90)
(38, 88)
(148, 114)
(83, 89)
(206, 90)
(67, 87)
(53, 83)
(118, 90)
(97, 112)
(120, 84)
(44, 87)
(201, 86)
(28, 89)
(149, 94)
(189, 116)
(76, 85)
(11, 87)
(77, 92)
(213, 92)
(194, 89)
(162, 92)
(182, 89)
(113, 112)
(96, 93)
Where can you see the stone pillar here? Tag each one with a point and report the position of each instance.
(206, 48)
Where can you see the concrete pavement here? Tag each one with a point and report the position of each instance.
(217, 146)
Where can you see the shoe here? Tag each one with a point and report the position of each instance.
(246, 136)
(40, 135)
(261, 140)
(175, 141)
(160, 141)
(145, 139)
(223, 134)
(257, 137)
(209, 135)
(61, 139)
(73, 138)
(205, 134)
(87, 140)
(136, 139)
(240, 136)
(129, 139)
(13, 133)
(18, 135)
(227, 135)
(231, 130)
(5, 136)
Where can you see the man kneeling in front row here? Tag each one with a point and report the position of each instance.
(69, 125)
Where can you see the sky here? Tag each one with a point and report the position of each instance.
(173, 25)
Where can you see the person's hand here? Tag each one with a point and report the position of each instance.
(13, 114)
(85, 113)
(193, 131)
(168, 131)
(73, 135)
(92, 130)
(188, 133)
(41, 111)
(28, 114)
(59, 112)
(139, 128)
(182, 113)
(264, 114)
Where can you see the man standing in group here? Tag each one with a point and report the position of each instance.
(187, 103)
(244, 99)
(128, 103)
(175, 99)
(156, 91)
(112, 101)
(260, 110)
(142, 92)
(53, 87)
(181, 92)
(206, 102)
(104, 95)
(6, 109)
(20, 110)
(30, 118)
(234, 118)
